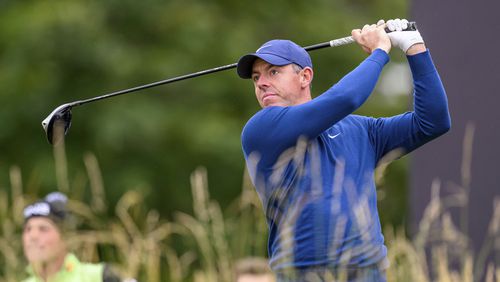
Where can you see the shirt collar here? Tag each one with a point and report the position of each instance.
(69, 265)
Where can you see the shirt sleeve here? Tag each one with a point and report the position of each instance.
(429, 119)
(274, 129)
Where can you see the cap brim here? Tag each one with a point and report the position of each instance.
(245, 63)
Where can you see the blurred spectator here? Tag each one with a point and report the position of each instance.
(45, 248)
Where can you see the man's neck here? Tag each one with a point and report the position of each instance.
(45, 270)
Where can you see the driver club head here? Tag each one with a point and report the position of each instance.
(57, 124)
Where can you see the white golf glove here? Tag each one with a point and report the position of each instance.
(402, 39)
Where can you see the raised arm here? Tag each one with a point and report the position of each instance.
(430, 117)
(282, 126)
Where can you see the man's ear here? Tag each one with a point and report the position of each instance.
(306, 76)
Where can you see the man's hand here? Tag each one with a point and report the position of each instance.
(410, 42)
(372, 37)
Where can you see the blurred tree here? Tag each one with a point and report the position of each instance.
(52, 52)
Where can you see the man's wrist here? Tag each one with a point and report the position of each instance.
(416, 49)
(380, 56)
(385, 49)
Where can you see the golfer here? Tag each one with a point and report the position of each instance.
(45, 246)
(312, 161)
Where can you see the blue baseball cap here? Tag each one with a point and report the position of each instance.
(276, 52)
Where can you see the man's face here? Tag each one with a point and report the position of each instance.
(279, 85)
(42, 241)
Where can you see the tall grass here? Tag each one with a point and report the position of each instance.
(204, 246)
(137, 242)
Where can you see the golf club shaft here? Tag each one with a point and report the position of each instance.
(153, 84)
(332, 43)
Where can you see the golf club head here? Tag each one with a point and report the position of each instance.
(57, 124)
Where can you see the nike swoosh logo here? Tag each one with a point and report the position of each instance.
(333, 136)
(265, 46)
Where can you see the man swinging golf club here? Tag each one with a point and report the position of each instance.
(58, 122)
(312, 161)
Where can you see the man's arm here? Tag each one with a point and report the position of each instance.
(416, 49)
(430, 117)
(275, 129)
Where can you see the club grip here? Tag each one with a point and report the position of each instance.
(412, 26)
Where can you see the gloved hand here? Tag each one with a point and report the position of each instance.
(402, 39)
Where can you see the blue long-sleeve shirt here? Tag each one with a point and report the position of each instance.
(312, 165)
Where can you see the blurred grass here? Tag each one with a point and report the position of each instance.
(137, 242)
(205, 245)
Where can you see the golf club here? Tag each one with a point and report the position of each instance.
(61, 116)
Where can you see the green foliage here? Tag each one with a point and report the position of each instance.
(52, 52)
(206, 245)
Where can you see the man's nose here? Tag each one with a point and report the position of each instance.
(262, 81)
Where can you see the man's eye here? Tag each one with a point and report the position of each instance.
(255, 78)
(274, 72)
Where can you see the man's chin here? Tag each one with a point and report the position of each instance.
(37, 258)
(272, 104)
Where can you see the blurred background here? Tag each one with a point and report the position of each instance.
(146, 148)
